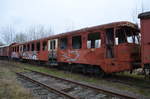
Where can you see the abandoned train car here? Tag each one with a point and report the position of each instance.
(108, 48)
(4, 51)
(145, 40)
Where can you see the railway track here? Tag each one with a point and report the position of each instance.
(56, 93)
(71, 89)
(103, 92)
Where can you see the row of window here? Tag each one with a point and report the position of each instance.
(93, 41)
(31, 47)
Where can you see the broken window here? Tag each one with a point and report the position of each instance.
(76, 42)
(38, 46)
(134, 38)
(44, 45)
(109, 43)
(94, 40)
(126, 35)
(110, 36)
(32, 47)
(28, 47)
(17, 48)
(63, 43)
(24, 48)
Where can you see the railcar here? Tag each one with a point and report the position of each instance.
(108, 48)
(4, 51)
(145, 40)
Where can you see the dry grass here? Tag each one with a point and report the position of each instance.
(10, 88)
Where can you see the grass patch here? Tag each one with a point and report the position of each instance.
(9, 87)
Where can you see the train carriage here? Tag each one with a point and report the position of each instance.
(4, 51)
(112, 47)
(145, 40)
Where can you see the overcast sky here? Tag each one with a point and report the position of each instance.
(66, 15)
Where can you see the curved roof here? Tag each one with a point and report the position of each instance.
(4, 46)
(145, 15)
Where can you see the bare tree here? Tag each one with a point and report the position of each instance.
(1, 43)
(38, 31)
(20, 37)
(8, 33)
(31, 33)
(49, 32)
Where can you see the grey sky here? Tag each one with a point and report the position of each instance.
(65, 15)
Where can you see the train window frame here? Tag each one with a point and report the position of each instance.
(20, 48)
(38, 46)
(97, 41)
(51, 44)
(120, 36)
(44, 45)
(17, 48)
(28, 47)
(24, 48)
(77, 42)
(32, 47)
(62, 46)
(126, 35)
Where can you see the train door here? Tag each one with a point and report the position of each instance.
(52, 48)
(110, 43)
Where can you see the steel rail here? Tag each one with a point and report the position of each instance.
(48, 87)
(88, 86)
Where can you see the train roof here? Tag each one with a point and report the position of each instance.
(145, 15)
(4, 46)
(88, 29)
(99, 27)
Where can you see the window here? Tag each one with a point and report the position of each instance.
(53, 44)
(110, 41)
(28, 47)
(20, 48)
(126, 35)
(17, 48)
(38, 46)
(133, 39)
(63, 43)
(24, 47)
(76, 42)
(44, 45)
(110, 36)
(94, 40)
(120, 36)
(32, 47)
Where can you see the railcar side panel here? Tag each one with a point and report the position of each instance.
(145, 39)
